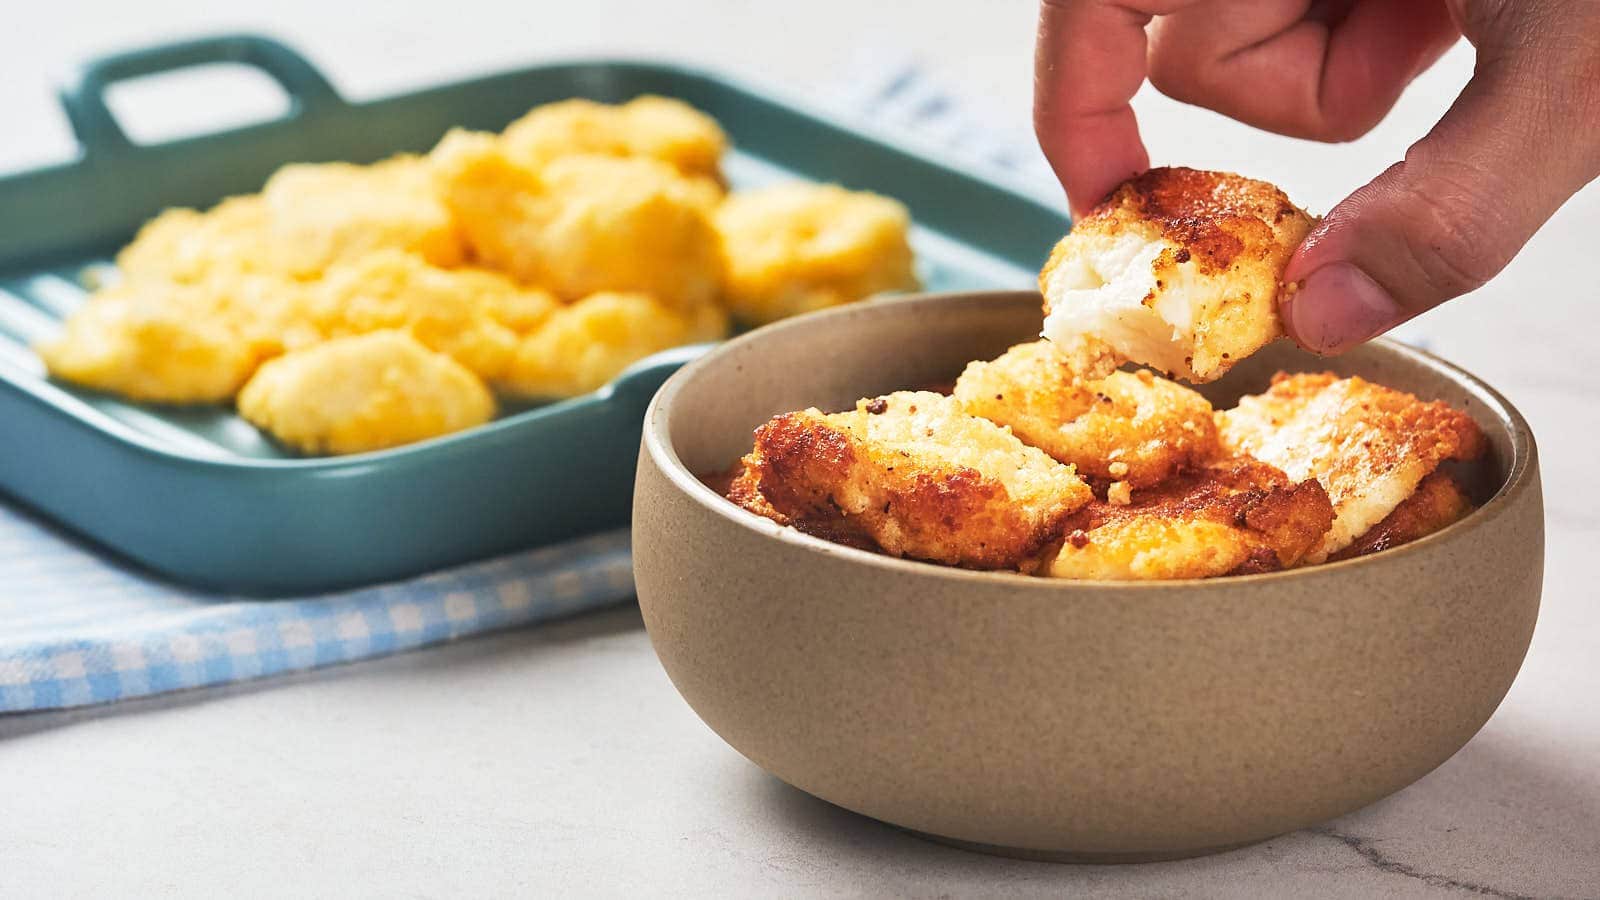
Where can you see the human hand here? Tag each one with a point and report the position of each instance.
(1523, 136)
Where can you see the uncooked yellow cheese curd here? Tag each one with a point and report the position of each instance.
(582, 224)
(187, 245)
(320, 213)
(471, 315)
(655, 127)
(165, 342)
(362, 393)
(793, 248)
(585, 345)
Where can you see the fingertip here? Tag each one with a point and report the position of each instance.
(1089, 63)
(1087, 187)
(1100, 155)
(1337, 307)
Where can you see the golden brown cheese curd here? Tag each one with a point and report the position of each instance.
(307, 217)
(580, 347)
(321, 213)
(1178, 269)
(917, 476)
(165, 342)
(474, 316)
(1127, 427)
(187, 245)
(1238, 516)
(794, 248)
(582, 224)
(363, 393)
(1369, 445)
(659, 128)
(1437, 502)
(545, 260)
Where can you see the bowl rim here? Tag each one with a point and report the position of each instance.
(657, 442)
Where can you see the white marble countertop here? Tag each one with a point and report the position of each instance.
(561, 759)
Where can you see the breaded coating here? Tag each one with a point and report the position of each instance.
(917, 476)
(186, 245)
(1234, 517)
(326, 212)
(582, 224)
(794, 248)
(1438, 501)
(580, 347)
(361, 393)
(1369, 445)
(164, 342)
(474, 316)
(1178, 269)
(744, 489)
(1130, 427)
(659, 128)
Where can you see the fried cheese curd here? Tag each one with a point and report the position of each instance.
(1234, 517)
(1369, 446)
(1179, 270)
(362, 393)
(1130, 427)
(1437, 502)
(324, 212)
(580, 347)
(659, 128)
(474, 316)
(1316, 468)
(582, 224)
(794, 248)
(166, 342)
(917, 476)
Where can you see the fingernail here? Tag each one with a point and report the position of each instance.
(1337, 307)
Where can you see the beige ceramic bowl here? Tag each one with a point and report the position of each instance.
(1074, 720)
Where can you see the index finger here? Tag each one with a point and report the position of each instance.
(1089, 61)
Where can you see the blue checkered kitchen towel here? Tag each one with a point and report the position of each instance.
(78, 628)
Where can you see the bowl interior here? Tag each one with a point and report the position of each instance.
(831, 359)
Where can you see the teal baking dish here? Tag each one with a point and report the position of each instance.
(199, 496)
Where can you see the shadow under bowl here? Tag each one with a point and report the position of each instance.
(1090, 721)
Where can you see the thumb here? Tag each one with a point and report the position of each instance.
(1517, 143)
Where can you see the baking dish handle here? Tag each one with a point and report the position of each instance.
(83, 94)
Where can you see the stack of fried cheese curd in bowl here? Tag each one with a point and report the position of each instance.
(1151, 585)
(1080, 470)
(348, 308)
